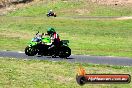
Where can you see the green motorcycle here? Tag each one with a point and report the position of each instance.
(41, 47)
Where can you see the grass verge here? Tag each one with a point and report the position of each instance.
(25, 73)
(94, 37)
(74, 8)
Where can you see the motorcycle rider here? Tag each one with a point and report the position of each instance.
(54, 38)
(51, 12)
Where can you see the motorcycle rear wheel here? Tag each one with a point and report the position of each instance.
(64, 52)
(54, 15)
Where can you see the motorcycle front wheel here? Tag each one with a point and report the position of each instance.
(30, 51)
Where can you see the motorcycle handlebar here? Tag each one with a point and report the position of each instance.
(37, 33)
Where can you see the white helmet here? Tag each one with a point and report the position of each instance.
(51, 10)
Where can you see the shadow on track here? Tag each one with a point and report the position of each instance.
(55, 57)
(70, 58)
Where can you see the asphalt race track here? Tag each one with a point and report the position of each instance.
(109, 60)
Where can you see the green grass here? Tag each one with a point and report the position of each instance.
(94, 37)
(42, 8)
(73, 8)
(110, 10)
(25, 73)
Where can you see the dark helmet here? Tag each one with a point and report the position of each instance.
(50, 31)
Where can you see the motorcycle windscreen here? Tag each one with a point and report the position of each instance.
(35, 40)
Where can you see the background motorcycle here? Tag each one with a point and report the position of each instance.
(51, 14)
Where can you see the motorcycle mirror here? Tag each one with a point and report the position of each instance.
(37, 32)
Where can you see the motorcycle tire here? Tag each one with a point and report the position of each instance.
(30, 51)
(55, 15)
(64, 52)
(48, 15)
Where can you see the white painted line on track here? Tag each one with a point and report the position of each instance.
(20, 52)
(110, 56)
(4, 50)
(80, 54)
